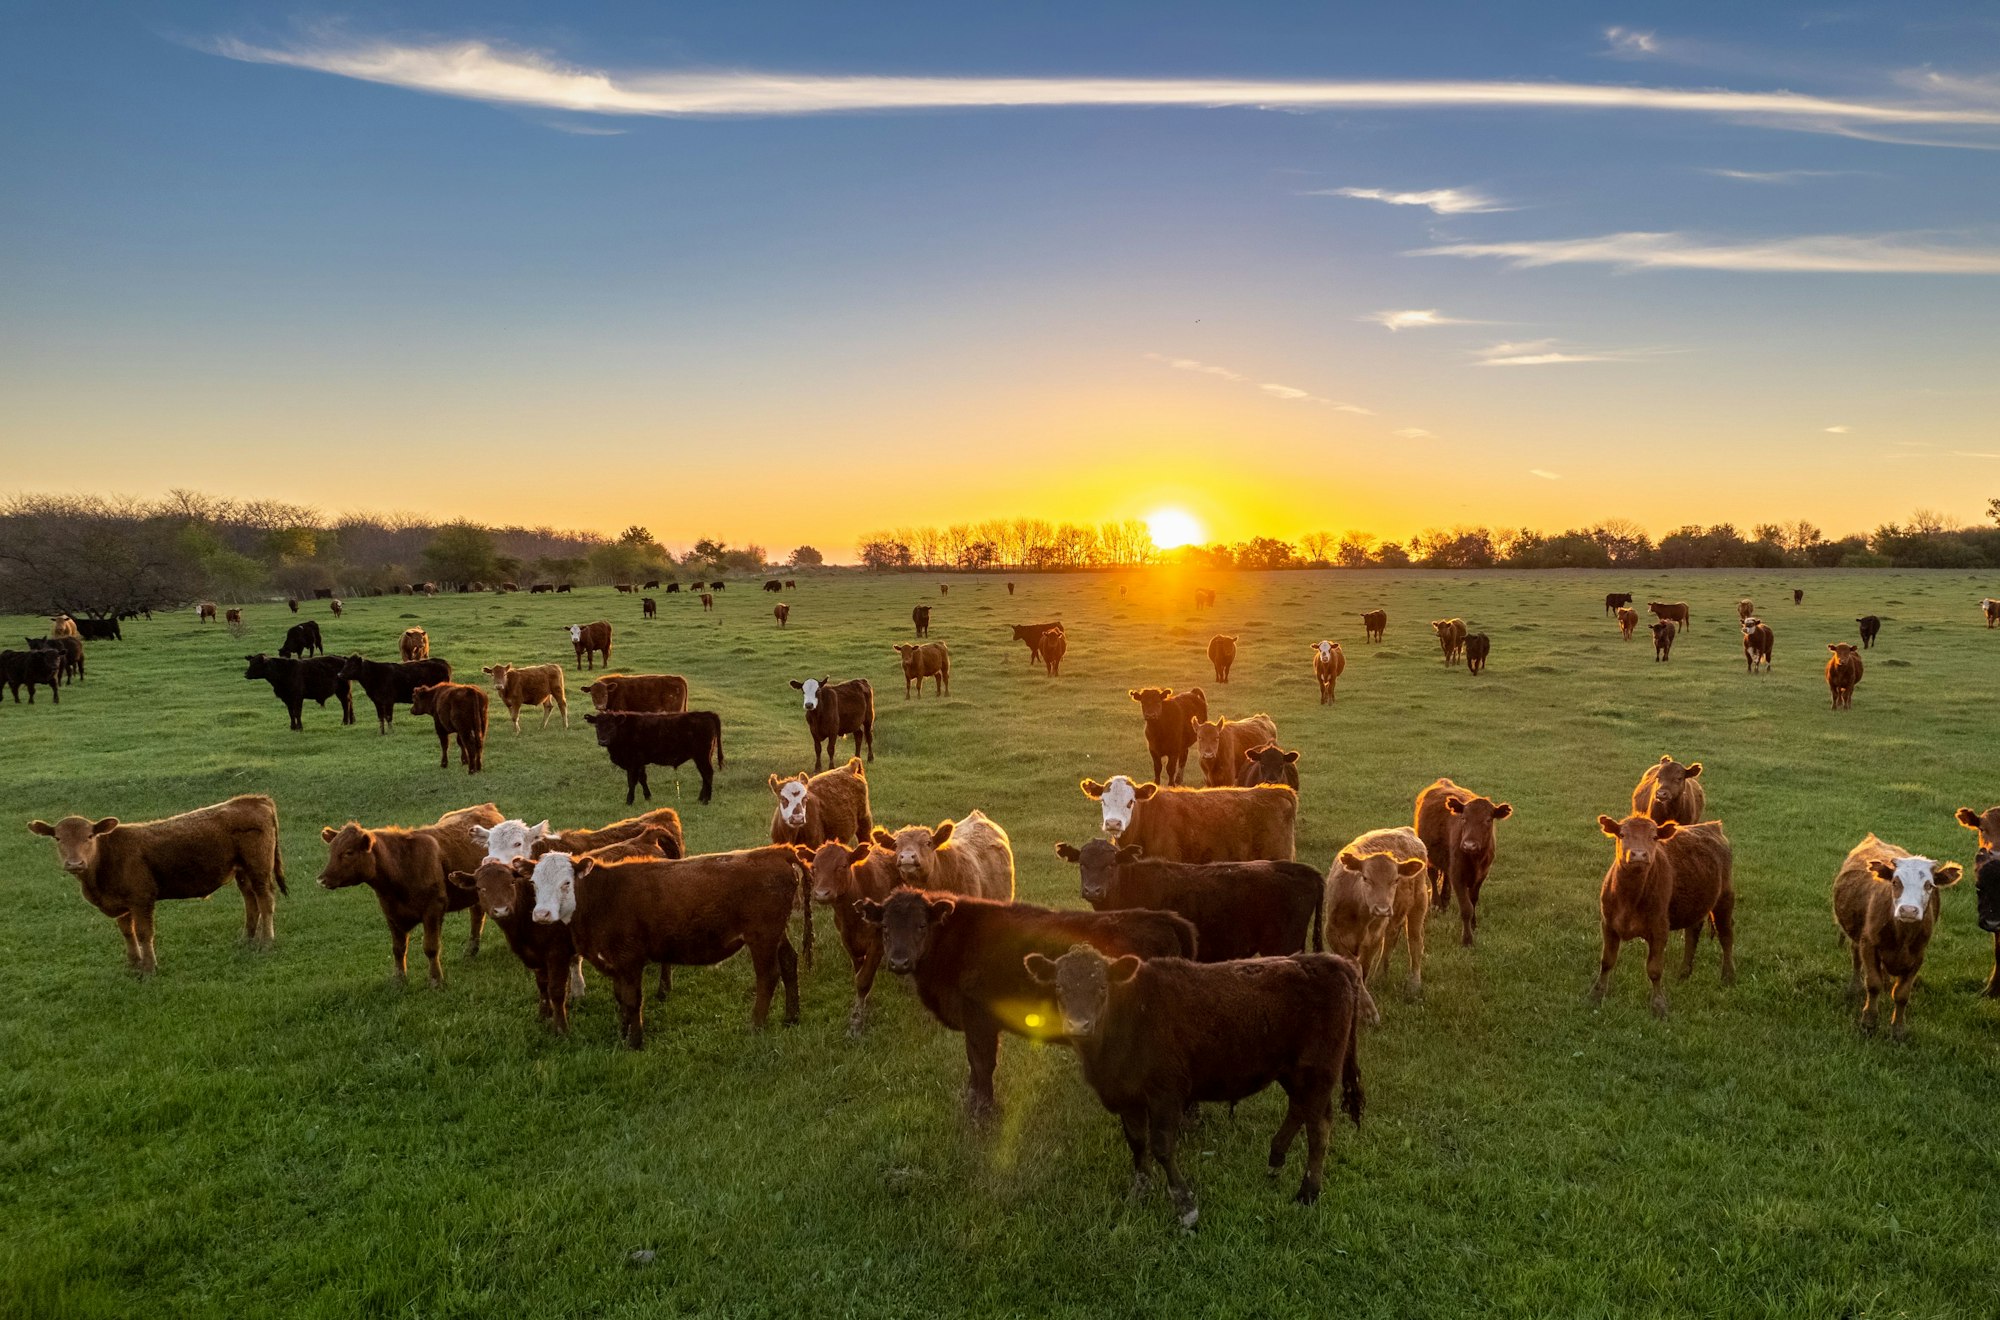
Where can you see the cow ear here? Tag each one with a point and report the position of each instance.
(367, 841)
(521, 867)
(326, 833)
(1946, 875)
(1410, 866)
(1144, 792)
(462, 879)
(800, 686)
(1456, 806)
(941, 908)
(582, 867)
(1665, 759)
(1882, 870)
(1132, 693)
(882, 838)
(870, 911)
(1608, 825)
(941, 834)
(481, 834)
(1121, 970)
(1665, 830)
(1092, 789)
(773, 782)
(1069, 852)
(857, 854)
(1041, 968)
(538, 832)
(1833, 647)
(1291, 758)
(803, 853)
(1694, 769)
(1503, 810)
(1252, 753)
(1349, 861)
(41, 827)
(1966, 817)
(1131, 852)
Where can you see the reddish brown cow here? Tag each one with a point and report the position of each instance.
(1200, 824)
(1329, 663)
(1451, 637)
(1756, 644)
(1032, 634)
(1885, 902)
(922, 660)
(1665, 878)
(409, 871)
(707, 602)
(656, 694)
(590, 640)
(782, 613)
(1220, 746)
(1054, 645)
(842, 876)
(1663, 641)
(1238, 909)
(1843, 673)
(1374, 623)
(1986, 868)
(817, 809)
(1676, 612)
(665, 820)
(530, 685)
(833, 709)
(206, 611)
(457, 710)
(1456, 826)
(415, 644)
(1170, 721)
(1670, 791)
(1628, 619)
(1222, 655)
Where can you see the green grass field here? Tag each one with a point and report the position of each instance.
(254, 1133)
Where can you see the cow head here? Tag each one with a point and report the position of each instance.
(813, 690)
(1208, 741)
(510, 839)
(1669, 779)
(258, 666)
(1152, 701)
(1985, 823)
(554, 878)
(76, 840)
(1119, 798)
(498, 673)
(909, 652)
(1376, 876)
(1751, 623)
(916, 848)
(906, 919)
(1323, 651)
(606, 724)
(1663, 631)
(1843, 651)
(792, 797)
(350, 856)
(1438, 626)
(576, 634)
(830, 867)
(1986, 866)
(423, 700)
(1637, 838)
(1099, 861)
(1082, 981)
(1474, 818)
(1913, 884)
(350, 667)
(1268, 765)
(495, 883)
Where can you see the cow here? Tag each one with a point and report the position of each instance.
(973, 856)
(33, 669)
(716, 586)
(1238, 909)
(1744, 609)
(408, 869)
(774, 586)
(791, 584)
(1614, 600)
(414, 644)
(1669, 613)
(545, 950)
(833, 709)
(635, 740)
(1477, 647)
(659, 694)
(1886, 903)
(782, 613)
(1457, 829)
(1170, 722)
(1628, 619)
(652, 584)
(1055, 644)
(1991, 609)
(1329, 663)
(672, 589)
(649, 608)
(293, 603)
(1010, 588)
(529, 685)
(1220, 745)
(924, 660)
(1986, 868)
(126, 869)
(541, 589)
(1843, 673)
(1670, 791)
(1204, 597)
(841, 876)
(98, 630)
(335, 607)
(322, 593)
(920, 615)
(302, 639)
(590, 639)
(1451, 637)
(690, 912)
(1665, 878)
(68, 652)
(1221, 655)
(234, 620)
(1374, 623)
(1871, 628)
(1270, 764)
(1032, 633)
(965, 956)
(205, 611)
(564, 588)
(295, 681)
(1376, 892)
(1798, 597)
(1155, 1037)
(1663, 641)
(389, 683)
(457, 711)
(1199, 824)
(828, 807)
(1756, 644)
(944, 589)
(707, 603)
(663, 824)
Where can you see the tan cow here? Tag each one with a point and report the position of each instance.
(1744, 609)
(1200, 824)
(1222, 743)
(63, 626)
(1843, 673)
(1885, 902)
(1376, 893)
(822, 808)
(972, 857)
(415, 645)
(922, 660)
(530, 685)
(1628, 619)
(654, 694)
(1451, 637)
(1329, 663)
(1670, 791)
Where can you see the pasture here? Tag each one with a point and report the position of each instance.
(288, 1132)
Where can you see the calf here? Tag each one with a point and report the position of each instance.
(1756, 644)
(293, 603)
(1665, 878)
(965, 955)
(924, 660)
(1986, 867)
(1871, 628)
(1628, 619)
(205, 611)
(658, 694)
(1221, 655)
(822, 808)
(234, 620)
(1374, 623)
(649, 608)
(1451, 637)
(1329, 663)
(1156, 1037)
(1204, 597)
(1477, 646)
(694, 912)
(529, 685)
(1375, 893)
(408, 869)
(302, 639)
(1670, 791)
(335, 605)
(1744, 609)
(1885, 902)
(1032, 634)
(834, 709)
(1670, 613)
(635, 741)
(1457, 829)
(1663, 641)
(782, 613)
(774, 586)
(842, 877)
(1238, 909)
(457, 711)
(707, 602)
(1200, 824)
(1270, 764)
(1843, 673)
(68, 652)
(545, 950)
(972, 857)
(591, 639)
(294, 681)
(125, 870)
(1170, 722)
(1798, 597)
(34, 669)
(415, 644)
(389, 684)
(1613, 600)
(1220, 745)
(1991, 609)
(1054, 645)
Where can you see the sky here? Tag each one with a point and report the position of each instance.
(786, 273)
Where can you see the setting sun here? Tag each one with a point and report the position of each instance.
(1174, 527)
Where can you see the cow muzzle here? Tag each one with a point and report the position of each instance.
(1908, 915)
(544, 917)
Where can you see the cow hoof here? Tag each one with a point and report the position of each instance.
(1141, 1188)
(1189, 1217)
(1660, 1009)
(1415, 988)
(1308, 1195)
(1729, 976)
(1899, 1032)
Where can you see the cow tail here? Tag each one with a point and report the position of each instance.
(718, 741)
(278, 865)
(806, 908)
(1319, 909)
(1352, 1095)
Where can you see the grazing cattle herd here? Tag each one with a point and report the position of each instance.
(1211, 964)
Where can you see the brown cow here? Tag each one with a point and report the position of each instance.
(920, 615)
(655, 694)
(293, 603)
(1373, 623)
(1222, 655)
(649, 608)
(1220, 746)
(234, 619)
(1200, 824)
(206, 611)
(782, 613)
(1031, 633)
(1885, 902)
(457, 710)
(1665, 878)
(1663, 641)
(922, 660)
(1986, 869)
(833, 709)
(707, 602)
(665, 821)
(409, 871)
(1756, 644)
(1238, 909)
(1744, 609)
(1156, 1037)
(1451, 637)
(1991, 609)
(1329, 663)
(125, 870)
(1375, 893)
(1270, 764)
(1670, 613)
(1170, 722)
(1054, 645)
(530, 685)
(1843, 672)
(1798, 597)
(1204, 597)
(1628, 619)
(1670, 791)
(1456, 826)
(841, 877)
(546, 951)
(822, 808)
(589, 640)
(965, 955)
(972, 857)
(415, 645)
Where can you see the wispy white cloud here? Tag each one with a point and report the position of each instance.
(1289, 393)
(1205, 368)
(1442, 201)
(1777, 176)
(1967, 453)
(1545, 474)
(1864, 254)
(1838, 430)
(1417, 319)
(483, 71)
(1414, 433)
(584, 130)
(1542, 353)
(1630, 43)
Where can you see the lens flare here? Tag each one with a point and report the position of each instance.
(1171, 528)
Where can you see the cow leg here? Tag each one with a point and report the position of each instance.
(645, 785)
(131, 934)
(1440, 888)
(1899, 1009)
(982, 1056)
(1656, 964)
(296, 708)
(556, 976)
(434, 947)
(347, 706)
(865, 967)
(764, 965)
(477, 915)
(1134, 1121)
(788, 972)
(1992, 990)
(1288, 1130)
(631, 994)
(142, 932)
(869, 730)
(1468, 911)
(252, 909)
(707, 770)
(444, 748)
(1872, 988)
(1413, 931)
(816, 744)
(1165, 1132)
(1606, 960)
(1693, 937)
(399, 950)
(1854, 984)
(666, 985)
(576, 976)
(1724, 917)
(1319, 1128)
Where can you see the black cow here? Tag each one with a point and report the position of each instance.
(1871, 625)
(921, 616)
(294, 681)
(33, 668)
(1614, 599)
(672, 588)
(302, 639)
(98, 630)
(775, 585)
(70, 667)
(715, 586)
(635, 740)
(391, 684)
(562, 587)
(322, 593)
(1477, 645)
(653, 585)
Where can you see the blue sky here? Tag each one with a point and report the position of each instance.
(578, 266)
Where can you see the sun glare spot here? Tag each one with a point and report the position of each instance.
(1171, 528)
(1034, 1019)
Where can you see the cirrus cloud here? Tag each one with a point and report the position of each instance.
(1854, 254)
(1441, 201)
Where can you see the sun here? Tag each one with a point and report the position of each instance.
(1171, 528)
